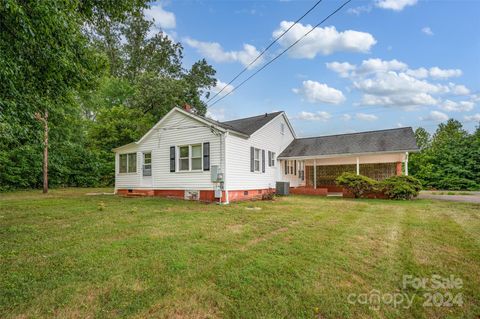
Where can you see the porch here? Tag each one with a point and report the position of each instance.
(316, 175)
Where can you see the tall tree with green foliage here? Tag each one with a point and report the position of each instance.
(448, 159)
(45, 59)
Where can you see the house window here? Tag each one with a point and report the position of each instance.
(272, 159)
(147, 164)
(128, 163)
(190, 157)
(282, 128)
(196, 157)
(184, 158)
(256, 159)
(290, 167)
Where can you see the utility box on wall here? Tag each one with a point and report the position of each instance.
(216, 174)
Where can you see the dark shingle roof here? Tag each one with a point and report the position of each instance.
(250, 125)
(399, 139)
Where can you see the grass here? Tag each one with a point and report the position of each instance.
(70, 255)
(452, 193)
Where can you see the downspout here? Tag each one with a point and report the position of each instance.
(314, 173)
(224, 137)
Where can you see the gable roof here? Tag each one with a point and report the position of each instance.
(244, 126)
(391, 140)
(250, 125)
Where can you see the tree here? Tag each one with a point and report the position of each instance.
(447, 160)
(44, 120)
(46, 58)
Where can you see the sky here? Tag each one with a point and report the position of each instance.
(376, 64)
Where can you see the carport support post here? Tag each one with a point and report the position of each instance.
(406, 163)
(358, 165)
(315, 173)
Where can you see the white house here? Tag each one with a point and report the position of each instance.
(189, 156)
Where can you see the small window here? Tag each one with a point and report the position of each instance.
(147, 164)
(184, 158)
(190, 157)
(128, 163)
(245, 193)
(272, 159)
(256, 159)
(282, 128)
(123, 163)
(132, 162)
(196, 157)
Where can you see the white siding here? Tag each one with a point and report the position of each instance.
(268, 138)
(178, 129)
(294, 179)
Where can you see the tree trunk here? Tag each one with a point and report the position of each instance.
(44, 120)
(45, 156)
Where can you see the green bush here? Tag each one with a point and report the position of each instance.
(356, 184)
(400, 187)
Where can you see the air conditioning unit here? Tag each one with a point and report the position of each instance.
(192, 195)
(282, 188)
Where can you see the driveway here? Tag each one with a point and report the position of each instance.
(474, 197)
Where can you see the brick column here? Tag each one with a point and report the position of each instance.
(399, 168)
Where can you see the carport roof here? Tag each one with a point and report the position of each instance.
(391, 140)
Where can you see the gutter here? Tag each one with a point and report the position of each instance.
(342, 155)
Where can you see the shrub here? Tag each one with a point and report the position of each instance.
(268, 196)
(400, 187)
(356, 184)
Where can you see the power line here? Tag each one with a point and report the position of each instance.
(265, 50)
(279, 55)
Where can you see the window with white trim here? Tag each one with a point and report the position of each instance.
(128, 163)
(190, 157)
(282, 128)
(272, 159)
(147, 164)
(256, 159)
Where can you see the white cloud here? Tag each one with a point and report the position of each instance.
(472, 118)
(427, 31)
(420, 73)
(360, 9)
(404, 100)
(343, 69)
(346, 117)
(214, 51)
(393, 83)
(459, 89)
(435, 116)
(323, 41)
(227, 88)
(216, 114)
(163, 19)
(366, 117)
(318, 116)
(452, 106)
(316, 92)
(438, 73)
(395, 5)
(434, 72)
(378, 65)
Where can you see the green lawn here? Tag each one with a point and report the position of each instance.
(71, 255)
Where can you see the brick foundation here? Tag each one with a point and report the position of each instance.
(309, 191)
(205, 195)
